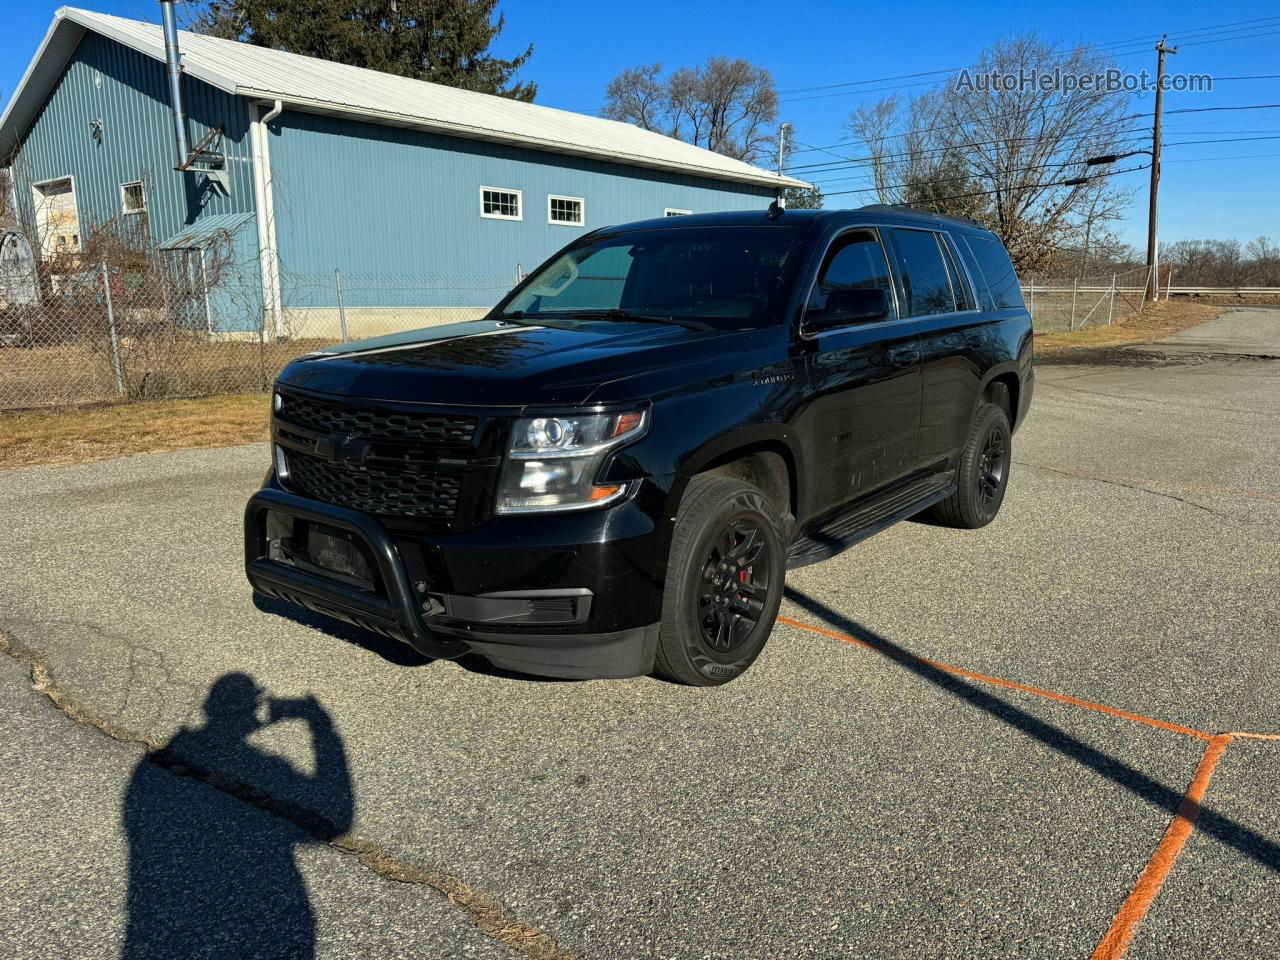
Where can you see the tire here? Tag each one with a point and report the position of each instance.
(726, 531)
(983, 475)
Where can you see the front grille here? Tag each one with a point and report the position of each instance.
(403, 492)
(324, 416)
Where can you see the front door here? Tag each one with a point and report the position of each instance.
(864, 416)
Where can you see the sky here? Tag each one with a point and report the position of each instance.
(1208, 190)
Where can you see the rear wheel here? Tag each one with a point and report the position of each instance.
(724, 582)
(983, 475)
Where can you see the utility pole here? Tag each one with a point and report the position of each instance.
(1153, 257)
(783, 130)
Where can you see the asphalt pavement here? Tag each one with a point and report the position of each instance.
(956, 744)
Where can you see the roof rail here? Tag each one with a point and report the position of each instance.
(916, 211)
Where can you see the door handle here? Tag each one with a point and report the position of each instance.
(904, 358)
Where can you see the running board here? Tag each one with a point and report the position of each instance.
(868, 519)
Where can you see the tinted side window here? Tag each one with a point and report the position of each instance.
(855, 262)
(924, 273)
(985, 301)
(995, 266)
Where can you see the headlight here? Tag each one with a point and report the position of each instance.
(552, 462)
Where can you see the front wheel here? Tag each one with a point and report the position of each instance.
(983, 475)
(724, 582)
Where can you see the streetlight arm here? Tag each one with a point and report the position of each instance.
(1113, 157)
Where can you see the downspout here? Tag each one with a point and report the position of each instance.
(173, 63)
(264, 200)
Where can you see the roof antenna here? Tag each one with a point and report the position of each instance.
(776, 209)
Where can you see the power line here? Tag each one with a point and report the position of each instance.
(1228, 157)
(854, 161)
(850, 141)
(1071, 144)
(1145, 38)
(970, 176)
(988, 193)
(1114, 47)
(1233, 156)
(1060, 164)
(862, 161)
(1183, 143)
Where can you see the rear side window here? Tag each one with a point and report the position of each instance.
(924, 273)
(996, 269)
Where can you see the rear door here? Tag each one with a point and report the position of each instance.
(863, 419)
(952, 337)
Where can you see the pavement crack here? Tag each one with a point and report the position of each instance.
(1133, 486)
(485, 912)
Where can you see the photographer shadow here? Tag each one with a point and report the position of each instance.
(212, 823)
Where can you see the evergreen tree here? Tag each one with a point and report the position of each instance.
(443, 41)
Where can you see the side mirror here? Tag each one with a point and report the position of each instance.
(849, 306)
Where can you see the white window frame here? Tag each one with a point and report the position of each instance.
(42, 228)
(582, 211)
(676, 212)
(142, 188)
(519, 195)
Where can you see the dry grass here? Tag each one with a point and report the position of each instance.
(84, 434)
(1156, 322)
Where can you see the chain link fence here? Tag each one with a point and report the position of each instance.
(115, 324)
(1065, 305)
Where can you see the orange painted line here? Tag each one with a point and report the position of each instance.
(1116, 940)
(1000, 682)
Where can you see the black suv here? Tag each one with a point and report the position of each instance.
(611, 473)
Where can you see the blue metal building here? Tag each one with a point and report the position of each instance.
(304, 167)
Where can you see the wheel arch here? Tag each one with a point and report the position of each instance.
(1003, 377)
(765, 456)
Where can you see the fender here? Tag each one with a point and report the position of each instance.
(744, 440)
(998, 370)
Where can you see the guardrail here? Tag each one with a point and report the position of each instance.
(1164, 291)
(1226, 291)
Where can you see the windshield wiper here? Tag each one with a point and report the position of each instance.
(615, 314)
(517, 317)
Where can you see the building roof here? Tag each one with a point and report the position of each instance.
(320, 86)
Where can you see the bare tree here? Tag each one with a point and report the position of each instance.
(637, 95)
(1224, 263)
(6, 197)
(729, 106)
(1263, 256)
(1000, 152)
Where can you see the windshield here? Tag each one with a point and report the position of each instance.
(721, 277)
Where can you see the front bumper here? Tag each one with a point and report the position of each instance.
(567, 595)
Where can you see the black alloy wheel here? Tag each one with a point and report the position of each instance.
(724, 582)
(991, 470)
(982, 475)
(736, 575)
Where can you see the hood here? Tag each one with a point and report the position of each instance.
(489, 363)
